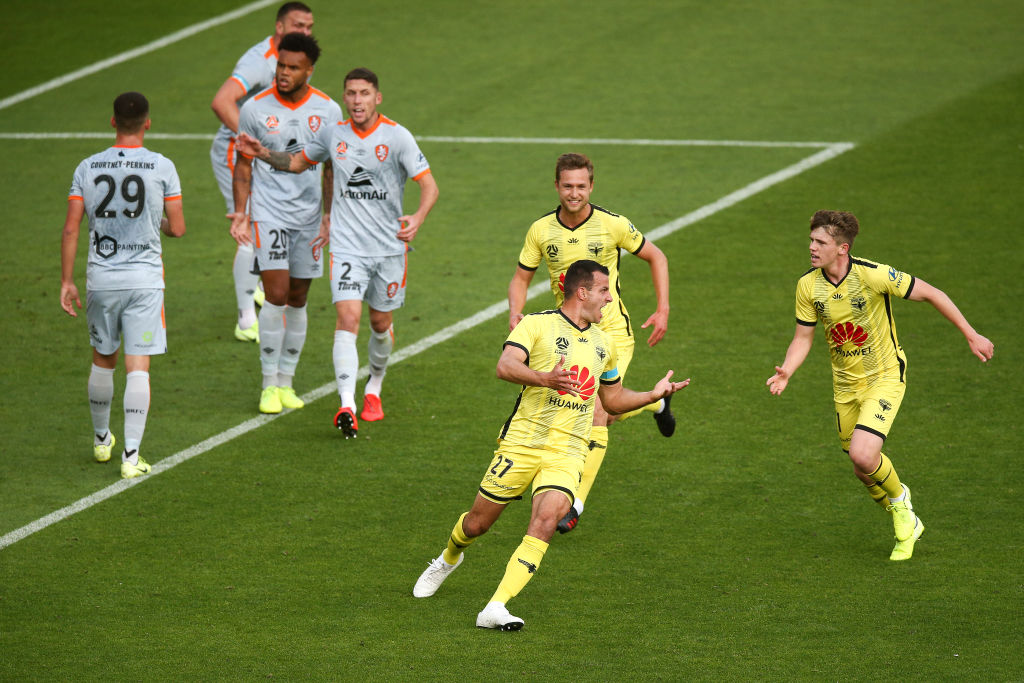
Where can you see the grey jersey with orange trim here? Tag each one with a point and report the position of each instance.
(370, 172)
(123, 190)
(280, 197)
(255, 72)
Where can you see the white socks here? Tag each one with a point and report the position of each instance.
(136, 409)
(245, 285)
(346, 365)
(380, 347)
(271, 339)
(101, 393)
(294, 339)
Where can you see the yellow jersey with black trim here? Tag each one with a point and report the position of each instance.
(598, 238)
(546, 418)
(859, 325)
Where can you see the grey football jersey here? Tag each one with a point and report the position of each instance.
(255, 72)
(123, 189)
(370, 171)
(289, 199)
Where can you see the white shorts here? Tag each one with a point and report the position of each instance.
(377, 280)
(282, 248)
(222, 158)
(138, 314)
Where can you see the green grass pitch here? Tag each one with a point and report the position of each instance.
(742, 548)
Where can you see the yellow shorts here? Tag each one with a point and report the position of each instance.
(514, 468)
(874, 411)
(624, 344)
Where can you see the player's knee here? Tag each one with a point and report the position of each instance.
(474, 525)
(864, 459)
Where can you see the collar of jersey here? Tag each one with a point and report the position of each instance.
(849, 267)
(559, 218)
(360, 134)
(581, 329)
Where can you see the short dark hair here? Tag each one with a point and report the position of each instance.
(131, 109)
(581, 274)
(572, 162)
(841, 225)
(289, 7)
(362, 74)
(300, 42)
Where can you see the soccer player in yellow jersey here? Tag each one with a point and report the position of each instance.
(563, 361)
(852, 297)
(577, 230)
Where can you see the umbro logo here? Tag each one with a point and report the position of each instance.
(530, 567)
(267, 349)
(293, 352)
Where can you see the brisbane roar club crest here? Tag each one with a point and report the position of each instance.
(586, 380)
(382, 152)
(314, 123)
(392, 289)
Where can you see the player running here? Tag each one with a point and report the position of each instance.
(576, 230)
(125, 191)
(852, 297)
(564, 361)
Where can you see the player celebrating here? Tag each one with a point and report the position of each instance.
(373, 157)
(253, 74)
(290, 230)
(125, 190)
(851, 297)
(575, 230)
(558, 357)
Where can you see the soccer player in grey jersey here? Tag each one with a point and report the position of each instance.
(253, 73)
(373, 157)
(288, 229)
(125, 191)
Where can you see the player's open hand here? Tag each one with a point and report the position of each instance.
(563, 380)
(777, 382)
(410, 226)
(248, 145)
(240, 228)
(981, 347)
(324, 236)
(659, 320)
(69, 296)
(666, 387)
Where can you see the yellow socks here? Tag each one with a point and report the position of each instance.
(599, 446)
(520, 569)
(457, 542)
(878, 494)
(887, 479)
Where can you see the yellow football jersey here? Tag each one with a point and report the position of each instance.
(598, 238)
(546, 418)
(859, 325)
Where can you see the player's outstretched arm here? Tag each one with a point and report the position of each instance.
(619, 399)
(796, 354)
(429, 193)
(517, 289)
(658, 262)
(979, 345)
(68, 250)
(512, 368)
(282, 161)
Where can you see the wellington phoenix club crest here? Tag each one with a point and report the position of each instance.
(381, 152)
(314, 123)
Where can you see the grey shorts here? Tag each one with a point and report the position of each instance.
(377, 280)
(279, 247)
(138, 314)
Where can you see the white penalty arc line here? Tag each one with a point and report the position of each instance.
(416, 348)
(132, 54)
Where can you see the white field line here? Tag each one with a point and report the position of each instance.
(472, 140)
(186, 32)
(494, 310)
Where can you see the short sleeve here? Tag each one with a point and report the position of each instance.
(805, 312)
(169, 175)
(252, 71)
(318, 149)
(523, 336)
(412, 159)
(627, 236)
(887, 280)
(530, 255)
(77, 190)
(610, 371)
